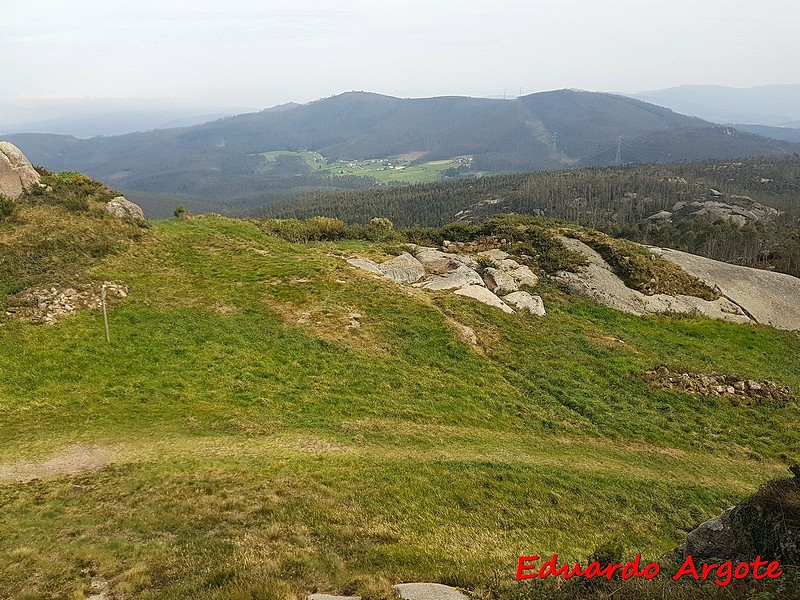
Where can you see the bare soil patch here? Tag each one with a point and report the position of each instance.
(73, 459)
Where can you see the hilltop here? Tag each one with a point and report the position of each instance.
(269, 420)
(221, 165)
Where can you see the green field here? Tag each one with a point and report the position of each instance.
(243, 454)
(382, 170)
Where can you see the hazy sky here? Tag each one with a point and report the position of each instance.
(258, 53)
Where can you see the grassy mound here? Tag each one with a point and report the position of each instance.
(225, 446)
(56, 233)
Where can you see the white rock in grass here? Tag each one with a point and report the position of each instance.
(496, 254)
(436, 261)
(524, 301)
(481, 294)
(428, 591)
(524, 276)
(499, 281)
(462, 276)
(364, 264)
(403, 269)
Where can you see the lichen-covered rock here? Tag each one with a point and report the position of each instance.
(17, 175)
(462, 276)
(767, 524)
(123, 208)
(598, 282)
(403, 269)
(524, 301)
(494, 254)
(524, 276)
(499, 281)
(481, 294)
(436, 261)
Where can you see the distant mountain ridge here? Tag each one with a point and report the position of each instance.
(218, 163)
(774, 105)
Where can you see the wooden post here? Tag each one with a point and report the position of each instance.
(105, 315)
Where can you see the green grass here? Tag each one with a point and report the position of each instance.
(258, 457)
(382, 170)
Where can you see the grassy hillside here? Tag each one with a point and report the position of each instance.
(236, 440)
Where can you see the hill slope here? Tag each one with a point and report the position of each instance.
(240, 437)
(219, 164)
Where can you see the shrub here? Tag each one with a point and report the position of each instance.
(316, 229)
(381, 223)
(7, 207)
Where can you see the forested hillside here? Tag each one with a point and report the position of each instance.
(620, 200)
(219, 166)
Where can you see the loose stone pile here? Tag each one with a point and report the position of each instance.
(490, 275)
(47, 305)
(744, 391)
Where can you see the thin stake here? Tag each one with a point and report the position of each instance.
(105, 315)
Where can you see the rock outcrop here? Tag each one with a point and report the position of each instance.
(403, 269)
(436, 261)
(524, 301)
(123, 208)
(764, 296)
(499, 281)
(481, 294)
(766, 524)
(461, 276)
(17, 175)
(598, 281)
(428, 591)
(434, 269)
(48, 305)
(364, 264)
(737, 389)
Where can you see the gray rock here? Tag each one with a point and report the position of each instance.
(428, 591)
(598, 281)
(403, 269)
(765, 296)
(365, 265)
(17, 175)
(465, 260)
(495, 254)
(524, 301)
(508, 264)
(662, 216)
(436, 261)
(524, 276)
(499, 281)
(462, 276)
(720, 537)
(481, 294)
(122, 208)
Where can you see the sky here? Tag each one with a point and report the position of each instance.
(259, 53)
